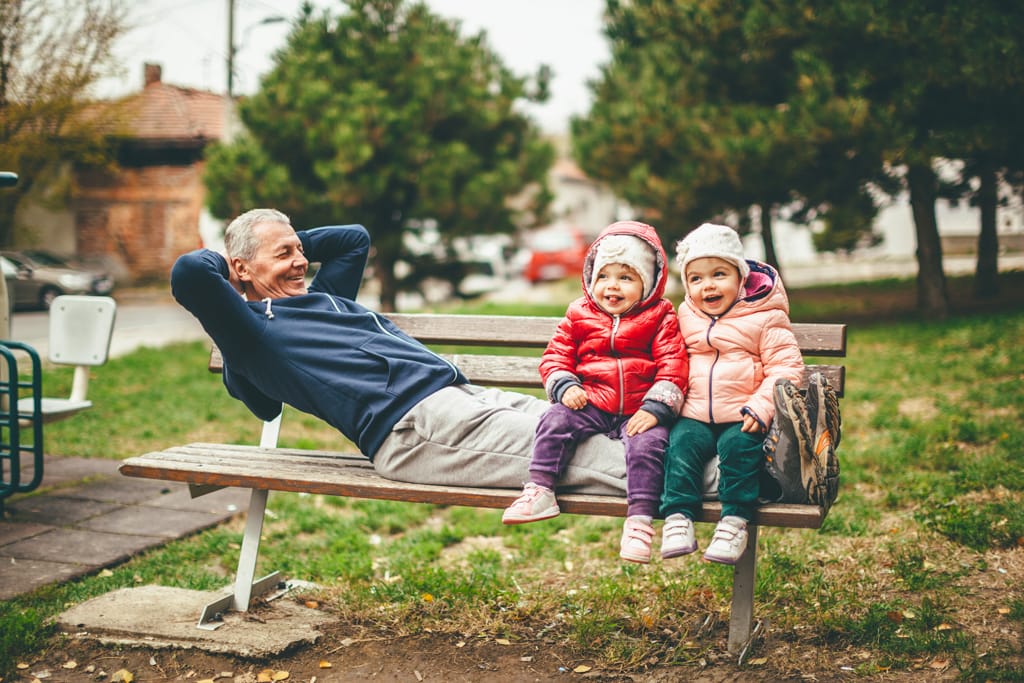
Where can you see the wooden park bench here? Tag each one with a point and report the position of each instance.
(206, 467)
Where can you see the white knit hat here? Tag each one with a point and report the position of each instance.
(629, 250)
(711, 240)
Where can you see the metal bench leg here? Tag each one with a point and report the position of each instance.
(245, 587)
(741, 618)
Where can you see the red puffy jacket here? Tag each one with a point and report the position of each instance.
(621, 361)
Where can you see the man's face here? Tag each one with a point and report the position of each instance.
(279, 267)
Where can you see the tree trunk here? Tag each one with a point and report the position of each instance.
(932, 296)
(384, 265)
(767, 239)
(986, 275)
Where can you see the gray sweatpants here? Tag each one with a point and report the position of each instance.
(474, 436)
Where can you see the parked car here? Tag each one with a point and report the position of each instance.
(36, 277)
(555, 253)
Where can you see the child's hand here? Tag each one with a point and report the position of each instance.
(574, 397)
(750, 424)
(640, 423)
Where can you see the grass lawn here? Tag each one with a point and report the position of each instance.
(918, 567)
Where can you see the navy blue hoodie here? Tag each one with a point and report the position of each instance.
(320, 352)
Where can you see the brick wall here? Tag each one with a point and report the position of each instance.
(139, 218)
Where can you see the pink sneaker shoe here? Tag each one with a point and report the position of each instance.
(637, 537)
(535, 503)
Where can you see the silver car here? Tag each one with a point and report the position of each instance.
(36, 277)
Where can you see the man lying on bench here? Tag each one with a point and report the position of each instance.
(410, 411)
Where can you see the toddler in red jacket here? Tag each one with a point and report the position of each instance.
(616, 365)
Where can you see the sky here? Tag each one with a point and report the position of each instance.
(189, 39)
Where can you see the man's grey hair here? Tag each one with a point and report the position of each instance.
(240, 240)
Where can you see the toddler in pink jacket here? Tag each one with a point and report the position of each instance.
(735, 323)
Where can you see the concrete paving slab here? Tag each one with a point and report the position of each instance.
(56, 510)
(152, 521)
(119, 489)
(223, 502)
(11, 532)
(22, 576)
(160, 616)
(59, 470)
(91, 548)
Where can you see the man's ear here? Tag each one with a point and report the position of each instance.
(241, 269)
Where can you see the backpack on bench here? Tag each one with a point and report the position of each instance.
(801, 465)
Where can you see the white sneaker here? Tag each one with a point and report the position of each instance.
(677, 537)
(535, 503)
(729, 541)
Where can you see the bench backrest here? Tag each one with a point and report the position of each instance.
(512, 345)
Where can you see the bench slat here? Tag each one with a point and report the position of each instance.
(521, 371)
(815, 339)
(338, 474)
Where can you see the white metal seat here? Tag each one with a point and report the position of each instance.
(80, 331)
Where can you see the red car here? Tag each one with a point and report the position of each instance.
(555, 253)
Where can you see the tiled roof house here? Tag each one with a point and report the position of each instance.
(144, 213)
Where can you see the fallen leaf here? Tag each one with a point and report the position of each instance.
(502, 641)
(312, 604)
(206, 680)
(89, 669)
(122, 676)
(944, 627)
(347, 642)
(461, 643)
(427, 597)
(324, 664)
(1001, 610)
(22, 665)
(226, 674)
(758, 661)
(939, 663)
(526, 658)
(280, 676)
(264, 676)
(70, 664)
(419, 676)
(105, 573)
(581, 669)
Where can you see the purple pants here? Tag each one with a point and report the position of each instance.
(559, 431)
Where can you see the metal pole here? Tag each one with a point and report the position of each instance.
(231, 47)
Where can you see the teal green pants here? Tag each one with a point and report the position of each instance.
(691, 444)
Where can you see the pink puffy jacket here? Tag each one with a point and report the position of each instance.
(736, 358)
(621, 362)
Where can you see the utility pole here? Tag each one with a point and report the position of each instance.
(231, 48)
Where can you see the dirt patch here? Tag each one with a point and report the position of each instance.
(340, 656)
(347, 653)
